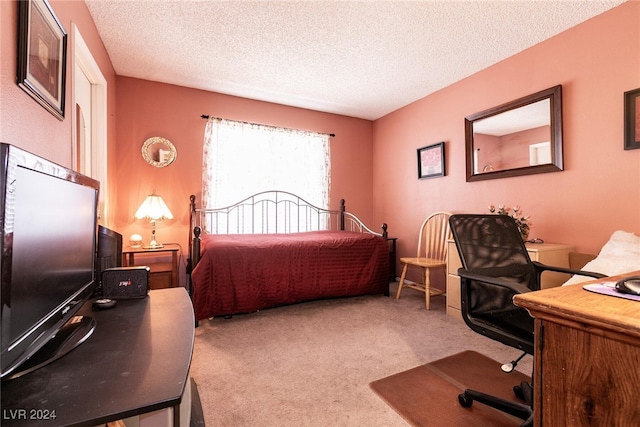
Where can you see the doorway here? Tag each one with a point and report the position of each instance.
(89, 119)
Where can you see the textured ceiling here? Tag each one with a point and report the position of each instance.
(362, 59)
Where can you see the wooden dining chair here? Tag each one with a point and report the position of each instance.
(432, 254)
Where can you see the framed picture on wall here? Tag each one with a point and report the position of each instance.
(632, 119)
(42, 55)
(431, 161)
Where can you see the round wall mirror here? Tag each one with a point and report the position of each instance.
(159, 152)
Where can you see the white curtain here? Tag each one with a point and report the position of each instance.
(241, 159)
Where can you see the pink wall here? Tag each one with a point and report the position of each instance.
(147, 109)
(514, 148)
(24, 122)
(596, 194)
(374, 164)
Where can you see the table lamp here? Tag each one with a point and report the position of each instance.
(154, 209)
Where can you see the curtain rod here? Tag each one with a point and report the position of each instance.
(206, 116)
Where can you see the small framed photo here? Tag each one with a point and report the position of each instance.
(431, 161)
(632, 119)
(42, 55)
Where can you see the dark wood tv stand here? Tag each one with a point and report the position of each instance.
(137, 361)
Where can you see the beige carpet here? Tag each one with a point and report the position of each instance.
(311, 364)
(427, 395)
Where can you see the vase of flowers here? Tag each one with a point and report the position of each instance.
(516, 213)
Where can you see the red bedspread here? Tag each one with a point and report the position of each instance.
(245, 273)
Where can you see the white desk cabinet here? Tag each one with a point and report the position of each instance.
(545, 253)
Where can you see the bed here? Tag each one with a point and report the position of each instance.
(274, 248)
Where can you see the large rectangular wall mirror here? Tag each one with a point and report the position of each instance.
(521, 137)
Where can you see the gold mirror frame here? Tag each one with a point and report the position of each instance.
(159, 152)
(478, 172)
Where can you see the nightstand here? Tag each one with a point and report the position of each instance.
(163, 263)
(392, 258)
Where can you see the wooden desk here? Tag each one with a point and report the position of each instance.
(587, 357)
(136, 361)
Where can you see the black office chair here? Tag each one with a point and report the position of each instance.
(495, 267)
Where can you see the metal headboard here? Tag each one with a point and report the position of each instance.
(267, 212)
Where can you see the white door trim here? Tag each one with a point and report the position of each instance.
(83, 58)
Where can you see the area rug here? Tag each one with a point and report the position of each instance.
(428, 395)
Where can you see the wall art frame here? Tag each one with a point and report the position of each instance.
(431, 161)
(42, 55)
(632, 119)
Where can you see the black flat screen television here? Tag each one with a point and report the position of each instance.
(49, 223)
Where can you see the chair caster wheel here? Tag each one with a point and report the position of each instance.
(465, 402)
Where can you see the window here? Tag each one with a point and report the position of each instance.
(241, 159)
